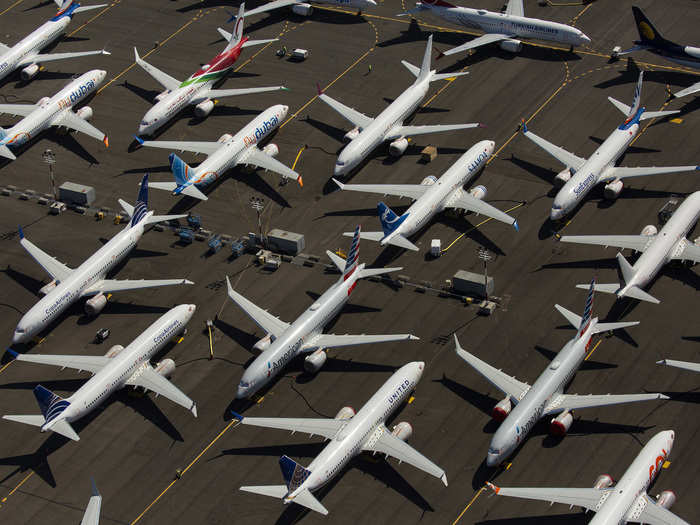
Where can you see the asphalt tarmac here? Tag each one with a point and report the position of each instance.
(134, 445)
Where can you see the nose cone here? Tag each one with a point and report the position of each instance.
(20, 336)
(242, 392)
(493, 460)
(584, 39)
(556, 214)
(191, 309)
(284, 109)
(491, 146)
(101, 74)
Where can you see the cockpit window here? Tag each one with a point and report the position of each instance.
(20, 330)
(494, 451)
(244, 384)
(340, 163)
(556, 207)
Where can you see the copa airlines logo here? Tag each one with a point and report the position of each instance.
(166, 332)
(584, 184)
(52, 309)
(261, 131)
(477, 162)
(77, 94)
(398, 393)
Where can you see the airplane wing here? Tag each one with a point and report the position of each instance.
(623, 173)
(652, 514)
(566, 158)
(70, 120)
(637, 243)
(488, 38)
(149, 379)
(515, 8)
(53, 267)
(575, 402)
(334, 341)
(470, 203)
(207, 148)
(220, 93)
(693, 367)
(50, 57)
(276, 4)
(91, 363)
(688, 91)
(410, 131)
(505, 383)
(259, 158)
(382, 441)
(92, 512)
(412, 191)
(122, 285)
(163, 79)
(358, 119)
(583, 497)
(17, 110)
(327, 428)
(264, 319)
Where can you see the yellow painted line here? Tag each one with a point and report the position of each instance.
(478, 493)
(13, 5)
(594, 349)
(94, 17)
(480, 224)
(6, 365)
(301, 150)
(17, 487)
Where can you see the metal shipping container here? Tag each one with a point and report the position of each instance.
(72, 193)
(470, 283)
(282, 241)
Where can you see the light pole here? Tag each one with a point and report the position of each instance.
(258, 204)
(485, 256)
(50, 158)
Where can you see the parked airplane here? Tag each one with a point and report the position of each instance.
(227, 152)
(581, 175)
(652, 41)
(118, 368)
(198, 89)
(92, 512)
(625, 502)
(369, 133)
(350, 434)
(685, 365)
(505, 28)
(53, 111)
(545, 397)
(276, 4)
(26, 54)
(283, 341)
(431, 197)
(88, 279)
(658, 248)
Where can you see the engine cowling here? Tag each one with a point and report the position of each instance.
(166, 367)
(43, 100)
(85, 113)
(429, 180)
(403, 431)
(612, 190)
(224, 138)
(161, 96)
(271, 149)
(203, 109)
(478, 192)
(29, 72)
(511, 45)
(603, 481)
(562, 177)
(314, 362)
(502, 409)
(398, 147)
(345, 413)
(264, 343)
(666, 499)
(47, 287)
(351, 135)
(561, 424)
(649, 230)
(114, 351)
(95, 305)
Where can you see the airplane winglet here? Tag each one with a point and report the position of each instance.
(300, 181)
(136, 55)
(523, 125)
(236, 415)
(515, 225)
(340, 184)
(139, 140)
(105, 140)
(697, 168)
(95, 492)
(493, 487)
(319, 91)
(482, 125)
(105, 52)
(443, 478)
(21, 233)
(12, 353)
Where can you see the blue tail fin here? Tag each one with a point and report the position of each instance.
(390, 221)
(180, 169)
(588, 311)
(294, 474)
(50, 404)
(141, 207)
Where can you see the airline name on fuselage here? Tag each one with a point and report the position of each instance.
(51, 309)
(261, 131)
(399, 391)
(77, 94)
(291, 351)
(166, 332)
(476, 163)
(583, 185)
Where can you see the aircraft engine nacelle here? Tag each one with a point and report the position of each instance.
(95, 305)
(345, 413)
(351, 135)
(666, 499)
(403, 431)
(649, 230)
(612, 190)
(271, 149)
(203, 109)
(511, 45)
(114, 351)
(29, 72)
(315, 361)
(603, 481)
(398, 147)
(166, 367)
(429, 180)
(264, 343)
(502, 409)
(224, 138)
(161, 96)
(47, 287)
(478, 192)
(562, 178)
(43, 100)
(561, 424)
(85, 113)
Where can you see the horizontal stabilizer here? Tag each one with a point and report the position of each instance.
(605, 288)
(152, 219)
(402, 242)
(637, 293)
(61, 426)
(575, 320)
(274, 491)
(337, 260)
(6, 153)
(606, 327)
(192, 191)
(308, 500)
(249, 43)
(84, 8)
(447, 76)
(370, 236)
(35, 421)
(413, 69)
(657, 114)
(371, 272)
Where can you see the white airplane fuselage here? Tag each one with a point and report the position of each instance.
(351, 437)
(237, 147)
(357, 4)
(528, 410)
(297, 338)
(66, 292)
(381, 127)
(171, 103)
(124, 364)
(443, 192)
(50, 110)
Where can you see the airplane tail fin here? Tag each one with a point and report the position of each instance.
(389, 220)
(351, 260)
(637, 100)
(588, 311)
(50, 404)
(647, 32)
(180, 169)
(237, 33)
(425, 66)
(293, 473)
(140, 210)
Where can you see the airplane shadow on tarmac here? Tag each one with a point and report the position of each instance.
(558, 519)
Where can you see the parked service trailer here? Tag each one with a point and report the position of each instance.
(469, 283)
(72, 193)
(282, 241)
